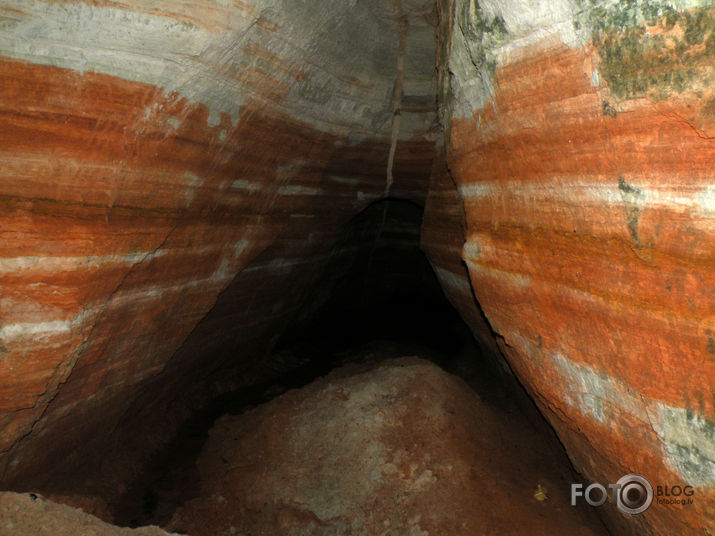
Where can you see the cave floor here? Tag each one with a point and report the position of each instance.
(456, 456)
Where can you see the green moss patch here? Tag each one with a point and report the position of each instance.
(608, 109)
(634, 200)
(650, 49)
(483, 35)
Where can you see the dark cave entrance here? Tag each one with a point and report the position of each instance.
(376, 298)
(380, 297)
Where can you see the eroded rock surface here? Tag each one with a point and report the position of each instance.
(402, 449)
(172, 175)
(24, 514)
(160, 164)
(581, 146)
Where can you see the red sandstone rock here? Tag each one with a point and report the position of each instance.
(161, 164)
(589, 244)
(153, 159)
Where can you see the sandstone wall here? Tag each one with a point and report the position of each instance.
(163, 160)
(171, 174)
(580, 142)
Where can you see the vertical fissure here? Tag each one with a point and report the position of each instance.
(397, 96)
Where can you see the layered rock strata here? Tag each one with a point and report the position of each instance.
(581, 148)
(170, 176)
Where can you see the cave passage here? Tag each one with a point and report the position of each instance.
(357, 267)
(378, 298)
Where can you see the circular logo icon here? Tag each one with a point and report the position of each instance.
(634, 494)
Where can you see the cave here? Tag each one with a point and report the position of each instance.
(385, 267)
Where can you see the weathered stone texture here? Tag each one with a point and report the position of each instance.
(171, 174)
(32, 515)
(404, 448)
(160, 161)
(589, 229)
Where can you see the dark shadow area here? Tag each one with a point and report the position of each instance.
(384, 301)
(376, 298)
